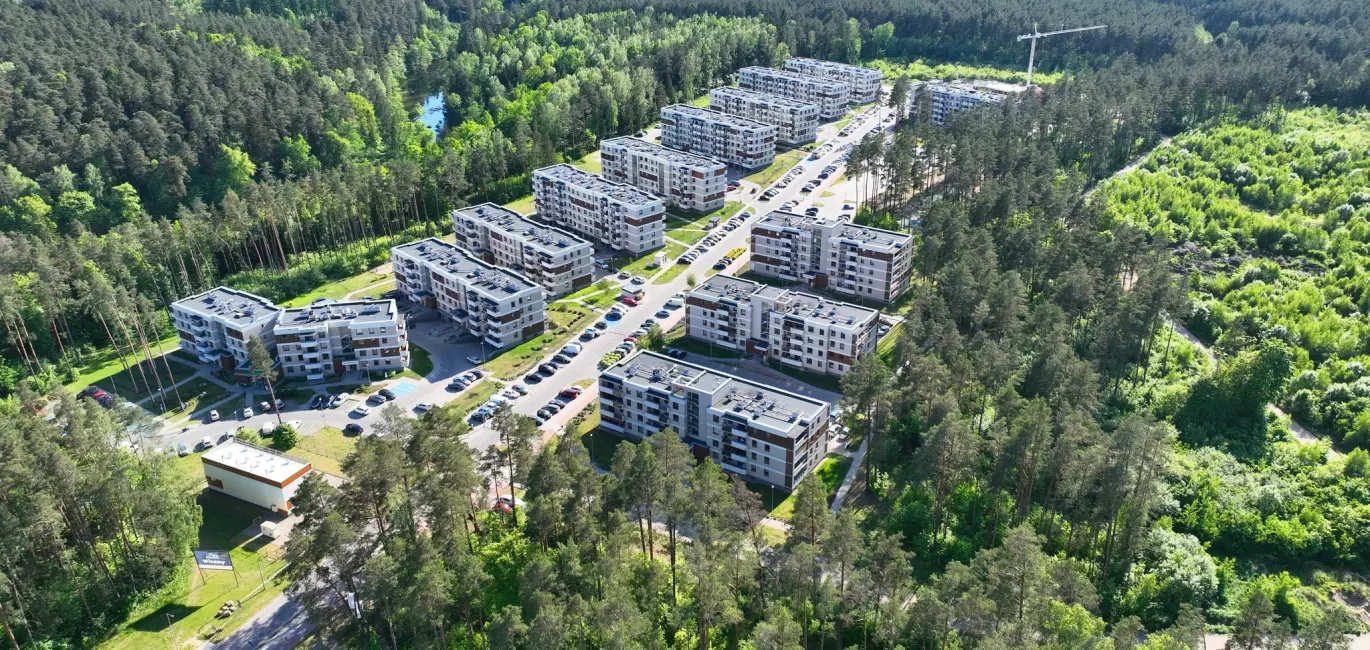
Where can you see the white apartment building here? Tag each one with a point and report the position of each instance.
(832, 254)
(831, 96)
(681, 179)
(949, 98)
(500, 307)
(255, 474)
(758, 432)
(796, 122)
(559, 261)
(738, 141)
(619, 216)
(216, 325)
(331, 337)
(799, 330)
(864, 82)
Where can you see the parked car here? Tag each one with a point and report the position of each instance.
(473, 359)
(533, 378)
(362, 410)
(182, 449)
(624, 275)
(511, 393)
(548, 368)
(720, 266)
(676, 353)
(553, 406)
(457, 384)
(571, 350)
(353, 428)
(214, 415)
(295, 424)
(521, 389)
(629, 300)
(663, 314)
(388, 394)
(318, 402)
(423, 407)
(570, 392)
(206, 442)
(589, 333)
(602, 325)
(375, 400)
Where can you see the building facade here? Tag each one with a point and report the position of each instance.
(738, 141)
(331, 337)
(864, 82)
(832, 254)
(500, 307)
(949, 98)
(760, 433)
(216, 325)
(831, 96)
(255, 474)
(619, 216)
(788, 327)
(683, 180)
(559, 261)
(795, 122)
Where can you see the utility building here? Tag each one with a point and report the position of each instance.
(255, 474)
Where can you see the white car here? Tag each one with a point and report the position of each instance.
(362, 410)
(422, 407)
(182, 449)
(295, 424)
(214, 415)
(247, 412)
(474, 360)
(206, 442)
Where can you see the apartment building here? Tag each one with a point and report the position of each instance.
(833, 254)
(758, 432)
(501, 307)
(949, 98)
(681, 179)
(738, 141)
(864, 82)
(619, 216)
(831, 96)
(795, 122)
(796, 329)
(559, 261)
(216, 325)
(331, 337)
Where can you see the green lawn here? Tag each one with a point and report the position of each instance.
(781, 504)
(885, 347)
(326, 449)
(566, 320)
(701, 221)
(590, 162)
(671, 273)
(522, 205)
(594, 288)
(702, 348)
(783, 162)
(185, 610)
(198, 394)
(129, 384)
(473, 397)
(338, 290)
(687, 236)
(747, 274)
(105, 363)
(601, 444)
(820, 380)
(420, 364)
(639, 265)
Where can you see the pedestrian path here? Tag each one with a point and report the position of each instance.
(855, 470)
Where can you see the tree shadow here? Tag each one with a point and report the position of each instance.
(157, 621)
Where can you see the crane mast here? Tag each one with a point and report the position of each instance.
(1032, 51)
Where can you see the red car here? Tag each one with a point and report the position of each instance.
(630, 301)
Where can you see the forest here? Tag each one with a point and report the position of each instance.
(1051, 463)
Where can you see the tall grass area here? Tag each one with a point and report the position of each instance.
(919, 69)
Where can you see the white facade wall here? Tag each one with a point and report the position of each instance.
(796, 122)
(856, 261)
(561, 262)
(864, 82)
(216, 325)
(740, 142)
(831, 96)
(681, 179)
(500, 307)
(620, 216)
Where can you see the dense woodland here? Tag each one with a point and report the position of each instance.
(1051, 464)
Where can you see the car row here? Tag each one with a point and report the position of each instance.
(566, 396)
(460, 382)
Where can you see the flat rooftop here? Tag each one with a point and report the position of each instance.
(761, 98)
(596, 183)
(719, 117)
(456, 261)
(845, 68)
(340, 311)
(665, 153)
(876, 238)
(782, 219)
(535, 234)
(963, 91)
(256, 461)
(785, 301)
(789, 74)
(230, 306)
(777, 409)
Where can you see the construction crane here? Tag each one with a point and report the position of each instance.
(1032, 53)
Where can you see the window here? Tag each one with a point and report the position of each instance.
(766, 460)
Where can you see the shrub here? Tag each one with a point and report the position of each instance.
(285, 437)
